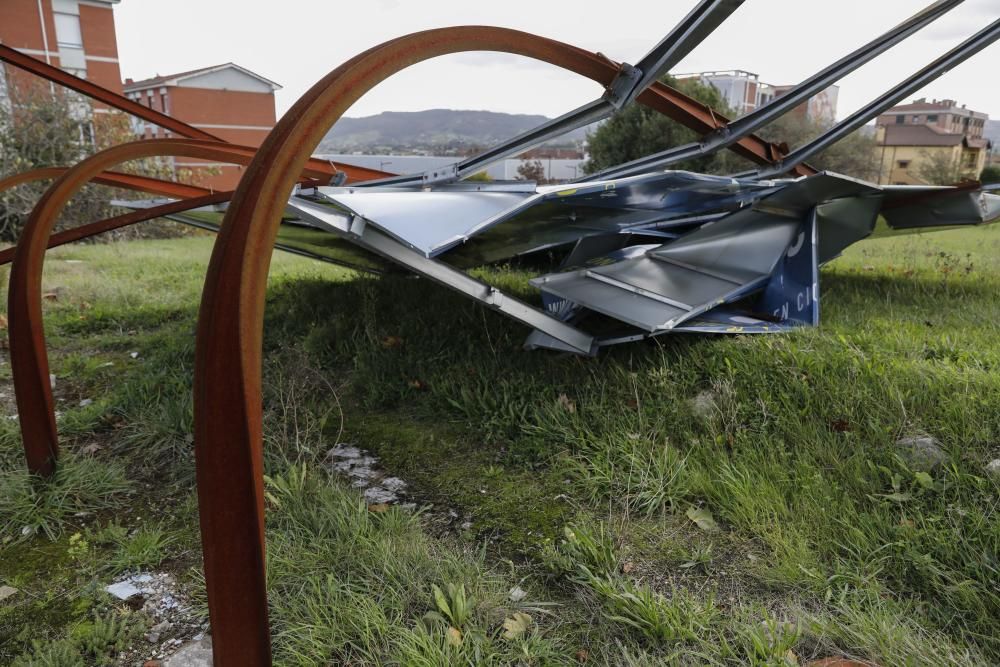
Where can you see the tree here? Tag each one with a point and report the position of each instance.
(42, 126)
(637, 131)
(990, 174)
(939, 168)
(855, 155)
(531, 170)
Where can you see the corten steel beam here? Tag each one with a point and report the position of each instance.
(93, 91)
(122, 103)
(227, 382)
(676, 105)
(29, 361)
(316, 169)
(124, 220)
(703, 119)
(114, 179)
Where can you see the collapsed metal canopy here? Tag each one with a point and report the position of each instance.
(644, 251)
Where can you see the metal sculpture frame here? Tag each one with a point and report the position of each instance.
(228, 363)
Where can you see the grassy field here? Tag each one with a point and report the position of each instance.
(690, 500)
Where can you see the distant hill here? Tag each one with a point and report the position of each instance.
(434, 128)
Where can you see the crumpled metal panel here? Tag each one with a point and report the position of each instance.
(923, 208)
(717, 263)
(427, 221)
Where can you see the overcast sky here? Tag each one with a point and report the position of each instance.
(296, 42)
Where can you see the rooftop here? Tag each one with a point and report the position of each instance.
(939, 106)
(175, 79)
(926, 135)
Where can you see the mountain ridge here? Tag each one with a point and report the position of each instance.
(433, 128)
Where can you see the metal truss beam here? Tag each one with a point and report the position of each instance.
(899, 92)
(768, 113)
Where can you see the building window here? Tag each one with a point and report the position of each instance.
(68, 32)
(163, 103)
(900, 120)
(932, 118)
(903, 164)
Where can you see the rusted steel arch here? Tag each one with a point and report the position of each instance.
(29, 361)
(317, 169)
(227, 379)
(114, 179)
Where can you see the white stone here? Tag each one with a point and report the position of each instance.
(193, 654)
(131, 586)
(921, 452)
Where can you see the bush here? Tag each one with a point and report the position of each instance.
(42, 126)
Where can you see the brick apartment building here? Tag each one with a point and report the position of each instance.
(226, 100)
(744, 92)
(910, 136)
(76, 35)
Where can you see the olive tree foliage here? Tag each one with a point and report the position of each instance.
(939, 168)
(531, 170)
(637, 131)
(45, 126)
(855, 155)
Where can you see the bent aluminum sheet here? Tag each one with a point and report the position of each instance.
(435, 221)
(719, 262)
(426, 221)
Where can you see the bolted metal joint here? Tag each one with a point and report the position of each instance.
(624, 88)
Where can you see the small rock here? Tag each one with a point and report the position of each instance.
(921, 452)
(6, 592)
(85, 402)
(152, 663)
(193, 654)
(466, 525)
(130, 587)
(393, 484)
(517, 594)
(375, 495)
(703, 405)
(153, 636)
(134, 355)
(993, 468)
(344, 451)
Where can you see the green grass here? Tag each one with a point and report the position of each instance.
(581, 478)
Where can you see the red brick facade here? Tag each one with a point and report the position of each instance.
(77, 35)
(228, 101)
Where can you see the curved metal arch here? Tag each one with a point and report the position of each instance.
(227, 384)
(113, 179)
(229, 475)
(29, 360)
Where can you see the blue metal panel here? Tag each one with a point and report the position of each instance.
(792, 295)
